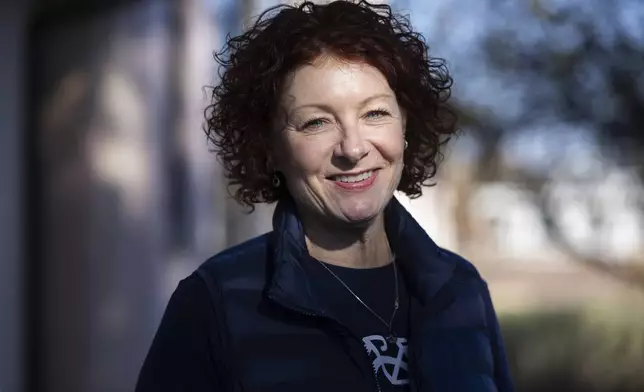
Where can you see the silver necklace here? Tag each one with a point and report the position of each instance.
(391, 338)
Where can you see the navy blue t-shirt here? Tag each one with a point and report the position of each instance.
(376, 288)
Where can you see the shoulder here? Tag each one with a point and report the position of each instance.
(186, 346)
(462, 266)
(245, 260)
(469, 276)
(466, 277)
(248, 252)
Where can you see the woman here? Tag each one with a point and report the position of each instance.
(327, 110)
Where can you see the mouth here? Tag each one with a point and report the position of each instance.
(355, 182)
(350, 179)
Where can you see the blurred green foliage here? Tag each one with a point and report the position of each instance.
(590, 350)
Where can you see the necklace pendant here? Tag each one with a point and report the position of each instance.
(392, 338)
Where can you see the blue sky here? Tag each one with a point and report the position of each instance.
(454, 28)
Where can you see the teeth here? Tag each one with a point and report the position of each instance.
(359, 177)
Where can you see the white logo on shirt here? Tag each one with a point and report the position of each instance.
(391, 366)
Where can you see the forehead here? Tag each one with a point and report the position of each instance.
(329, 78)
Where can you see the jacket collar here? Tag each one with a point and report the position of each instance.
(425, 272)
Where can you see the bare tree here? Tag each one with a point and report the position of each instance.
(583, 68)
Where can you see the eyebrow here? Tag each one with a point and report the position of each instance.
(326, 107)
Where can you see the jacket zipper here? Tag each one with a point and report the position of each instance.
(366, 355)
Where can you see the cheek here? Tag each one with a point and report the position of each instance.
(306, 157)
(391, 144)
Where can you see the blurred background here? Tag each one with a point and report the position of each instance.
(109, 195)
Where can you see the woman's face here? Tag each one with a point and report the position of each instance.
(340, 145)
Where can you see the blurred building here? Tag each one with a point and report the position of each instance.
(110, 193)
(13, 48)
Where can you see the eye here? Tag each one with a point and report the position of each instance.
(314, 123)
(378, 113)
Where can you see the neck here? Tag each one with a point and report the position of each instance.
(355, 247)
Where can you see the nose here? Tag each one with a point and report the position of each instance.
(353, 147)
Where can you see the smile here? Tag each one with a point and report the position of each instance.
(355, 182)
(356, 178)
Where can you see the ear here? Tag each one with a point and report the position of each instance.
(275, 151)
(276, 147)
(274, 161)
(403, 115)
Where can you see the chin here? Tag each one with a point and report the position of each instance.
(360, 220)
(361, 217)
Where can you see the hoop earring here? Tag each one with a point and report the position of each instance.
(276, 181)
(406, 144)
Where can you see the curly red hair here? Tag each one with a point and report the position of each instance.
(254, 65)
